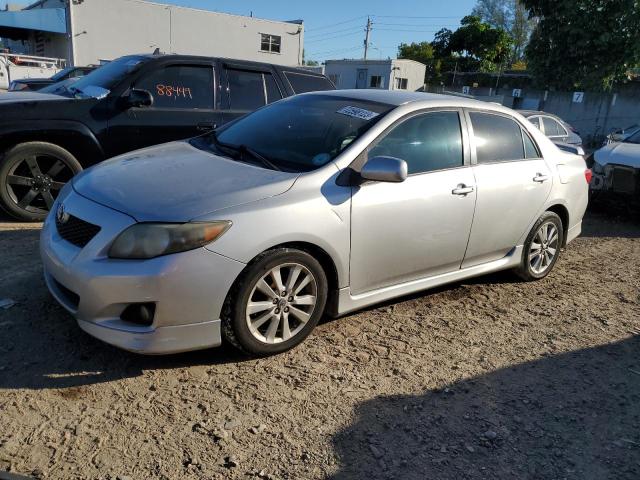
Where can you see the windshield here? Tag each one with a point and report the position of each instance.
(635, 138)
(304, 132)
(61, 74)
(107, 76)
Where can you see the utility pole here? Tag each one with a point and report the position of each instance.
(366, 40)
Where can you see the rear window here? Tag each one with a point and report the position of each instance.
(302, 83)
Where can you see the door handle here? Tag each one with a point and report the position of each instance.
(540, 178)
(462, 189)
(206, 126)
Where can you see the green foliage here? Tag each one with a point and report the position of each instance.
(473, 46)
(583, 44)
(512, 17)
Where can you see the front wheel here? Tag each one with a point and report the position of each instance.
(31, 176)
(542, 248)
(276, 302)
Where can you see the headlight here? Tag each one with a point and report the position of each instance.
(149, 240)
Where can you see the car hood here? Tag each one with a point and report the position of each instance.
(23, 97)
(619, 153)
(177, 182)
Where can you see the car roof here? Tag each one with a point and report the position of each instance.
(533, 113)
(398, 98)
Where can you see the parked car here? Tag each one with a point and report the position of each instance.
(553, 127)
(621, 134)
(616, 168)
(33, 84)
(130, 103)
(324, 202)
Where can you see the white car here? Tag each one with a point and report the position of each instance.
(616, 167)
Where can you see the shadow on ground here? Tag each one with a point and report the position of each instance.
(574, 416)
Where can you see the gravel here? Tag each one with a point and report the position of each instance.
(488, 378)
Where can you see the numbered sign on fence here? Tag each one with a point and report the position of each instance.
(466, 90)
(517, 93)
(578, 97)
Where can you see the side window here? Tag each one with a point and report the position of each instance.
(247, 89)
(535, 121)
(180, 86)
(551, 127)
(271, 87)
(427, 142)
(302, 83)
(530, 149)
(497, 138)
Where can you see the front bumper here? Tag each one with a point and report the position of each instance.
(188, 288)
(614, 178)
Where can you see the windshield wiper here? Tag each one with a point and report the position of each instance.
(245, 150)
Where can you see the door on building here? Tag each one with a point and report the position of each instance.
(361, 79)
(513, 183)
(246, 88)
(183, 107)
(424, 221)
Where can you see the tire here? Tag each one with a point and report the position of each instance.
(548, 253)
(274, 316)
(31, 177)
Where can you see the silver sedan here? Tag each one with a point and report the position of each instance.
(323, 203)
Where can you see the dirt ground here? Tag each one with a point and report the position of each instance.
(490, 378)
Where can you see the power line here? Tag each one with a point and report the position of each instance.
(331, 38)
(336, 24)
(333, 52)
(324, 34)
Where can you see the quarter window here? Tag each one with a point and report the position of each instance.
(180, 86)
(270, 43)
(249, 90)
(427, 142)
(498, 138)
(530, 150)
(376, 81)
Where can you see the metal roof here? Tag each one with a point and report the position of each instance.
(43, 19)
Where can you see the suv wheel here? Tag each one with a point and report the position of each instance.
(31, 177)
(276, 303)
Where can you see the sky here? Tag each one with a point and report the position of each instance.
(335, 28)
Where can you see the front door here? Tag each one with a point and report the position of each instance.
(420, 227)
(513, 184)
(361, 80)
(183, 107)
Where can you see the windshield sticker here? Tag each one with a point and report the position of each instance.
(358, 113)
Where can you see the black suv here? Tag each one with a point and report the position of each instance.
(130, 103)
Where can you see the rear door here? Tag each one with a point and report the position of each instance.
(513, 183)
(247, 87)
(183, 107)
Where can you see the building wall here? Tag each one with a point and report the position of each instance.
(107, 30)
(345, 73)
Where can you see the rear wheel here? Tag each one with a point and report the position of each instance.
(542, 248)
(276, 303)
(31, 177)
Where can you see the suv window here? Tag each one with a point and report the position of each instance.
(427, 142)
(250, 90)
(180, 86)
(302, 83)
(552, 128)
(498, 138)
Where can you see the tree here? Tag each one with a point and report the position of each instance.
(585, 44)
(480, 43)
(512, 17)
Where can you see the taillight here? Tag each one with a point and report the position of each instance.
(588, 175)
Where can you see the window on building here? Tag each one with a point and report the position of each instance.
(249, 90)
(270, 43)
(402, 83)
(376, 81)
(428, 142)
(180, 86)
(302, 83)
(497, 138)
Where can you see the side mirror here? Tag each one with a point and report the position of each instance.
(385, 169)
(138, 99)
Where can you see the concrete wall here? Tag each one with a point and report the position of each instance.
(107, 30)
(345, 72)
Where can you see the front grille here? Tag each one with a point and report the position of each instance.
(77, 231)
(624, 180)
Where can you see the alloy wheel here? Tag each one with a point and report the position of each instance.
(281, 303)
(34, 181)
(544, 248)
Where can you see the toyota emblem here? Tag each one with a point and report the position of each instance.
(61, 215)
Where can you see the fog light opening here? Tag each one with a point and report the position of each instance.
(139, 313)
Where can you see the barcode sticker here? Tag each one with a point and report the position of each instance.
(358, 113)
